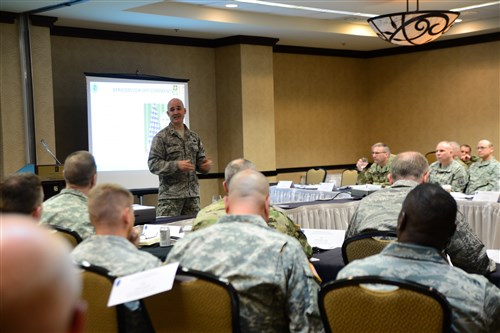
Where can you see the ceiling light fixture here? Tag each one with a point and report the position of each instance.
(413, 28)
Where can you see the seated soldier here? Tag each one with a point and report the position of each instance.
(277, 220)
(426, 224)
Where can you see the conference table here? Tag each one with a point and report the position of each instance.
(332, 212)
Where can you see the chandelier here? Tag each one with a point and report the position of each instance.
(413, 28)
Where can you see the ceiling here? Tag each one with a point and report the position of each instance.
(295, 27)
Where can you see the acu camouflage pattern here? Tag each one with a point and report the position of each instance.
(178, 207)
(277, 220)
(69, 210)
(166, 149)
(376, 174)
(454, 175)
(473, 159)
(475, 302)
(117, 254)
(380, 211)
(270, 272)
(484, 176)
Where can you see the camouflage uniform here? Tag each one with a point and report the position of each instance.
(276, 287)
(167, 149)
(475, 302)
(484, 176)
(380, 211)
(277, 220)
(376, 174)
(68, 209)
(117, 254)
(454, 175)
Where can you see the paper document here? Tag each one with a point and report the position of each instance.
(489, 196)
(151, 233)
(494, 254)
(143, 284)
(325, 239)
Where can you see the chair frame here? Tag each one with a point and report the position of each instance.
(67, 231)
(342, 177)
(183, 272)
(372, 279)
(316, 170)
(121, 311)
(362, 236)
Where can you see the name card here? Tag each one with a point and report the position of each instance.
(489, 196)
(284, 184)
(326, 187)
(143, 284)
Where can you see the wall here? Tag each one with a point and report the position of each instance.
(329, 110)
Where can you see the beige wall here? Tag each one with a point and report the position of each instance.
(327, 110)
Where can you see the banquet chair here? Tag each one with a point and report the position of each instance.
(315, 176)
(366, 244)
(97, 284)
(70, 235)
(431, 157)
(198, 302)
(382, 304)
(349, 177)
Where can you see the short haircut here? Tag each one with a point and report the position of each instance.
(383, 145)
(430, 211)
(455, 146)
(236, 166)
(107, 201)
(79, 168)
(467, 146)
(409, 165)
(21, 193)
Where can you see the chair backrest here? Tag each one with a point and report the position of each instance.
(315, 176)
(97, 285)
(349, 177)
(356, 304)
(70, 235)
(198, 302)
(366, 244)
(431, 157)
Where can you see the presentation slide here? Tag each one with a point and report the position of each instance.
(124, 114)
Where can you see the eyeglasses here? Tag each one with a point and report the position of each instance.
(481, 147)
(378, 152)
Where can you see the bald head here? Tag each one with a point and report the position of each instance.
(236, 166)
(409, 165)
(39, 285)
(485, 150)
(427, 216)
(248, 194)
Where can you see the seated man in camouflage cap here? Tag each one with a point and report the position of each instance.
(277, 220)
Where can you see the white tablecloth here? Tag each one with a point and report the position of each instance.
(483, 217)
(282, 195)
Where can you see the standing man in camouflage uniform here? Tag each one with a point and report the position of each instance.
(22, 193)
(277, 220)
(379, 211)
(175, 156)
(113, 247)
(484, 175)
(381, 167)
(269, 270)
(446, 170)
(69, 209)
(425, 225)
